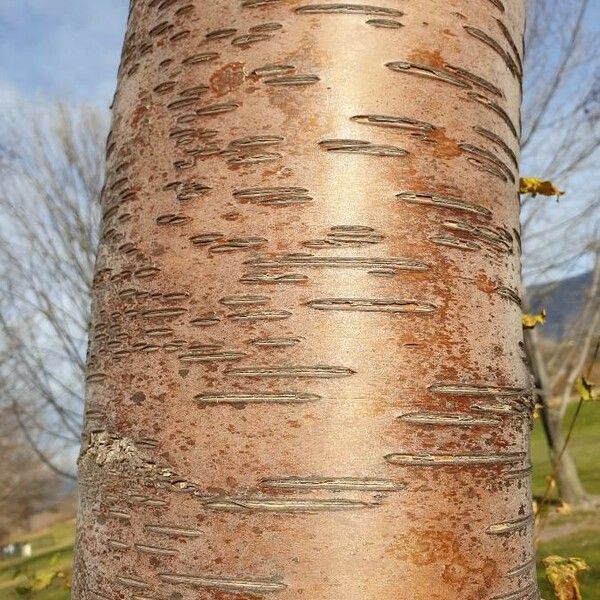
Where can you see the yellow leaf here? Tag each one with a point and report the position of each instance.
(564, 508)
(584, 388)
(530, 321)
(43, 581)
(562, 576)
(535, 186)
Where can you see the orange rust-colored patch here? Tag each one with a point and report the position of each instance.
(139, 112)
(484, 283)
(227, 78)
(431, 58)
(444, 146)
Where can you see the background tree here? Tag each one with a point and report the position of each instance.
(556, 365)
(26, 486)
(561, 136)
(560, 141)
(51, 174)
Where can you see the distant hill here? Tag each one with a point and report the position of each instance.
(562, 300)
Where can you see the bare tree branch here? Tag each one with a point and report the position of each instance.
(51, 176)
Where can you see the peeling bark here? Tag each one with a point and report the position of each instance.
(305, 377)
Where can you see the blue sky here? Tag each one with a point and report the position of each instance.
(60, 49)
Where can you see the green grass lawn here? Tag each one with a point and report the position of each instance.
(52, 551)
(53, 548)
(584, 540)
(584, 444)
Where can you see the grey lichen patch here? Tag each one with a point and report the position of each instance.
(121, 456)
(108, 450)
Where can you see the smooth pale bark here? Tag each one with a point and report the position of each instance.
(306, 375)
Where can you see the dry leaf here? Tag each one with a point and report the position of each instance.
(535, 186)
(562, 576)
(584, 388)
(564, 508)
(530, 321)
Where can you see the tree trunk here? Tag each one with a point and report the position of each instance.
(570, 488)
(305, 378)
